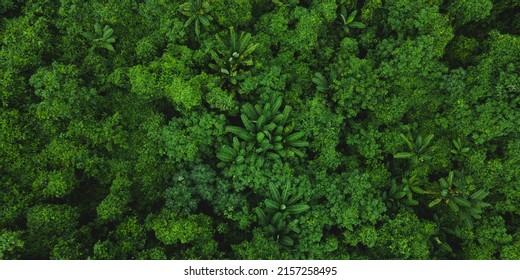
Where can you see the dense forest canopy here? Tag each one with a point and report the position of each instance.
(282, 129)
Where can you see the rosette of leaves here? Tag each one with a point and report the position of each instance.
(459, 152)
(101, 38)
(285, 201)
(418, 151)
(266, 132)
(459, 148)
(237, 152)
(348, 20)
(234, 55)
(276, 225)
(196, 11)
(404, 194)
(280, 207)
(467, 207)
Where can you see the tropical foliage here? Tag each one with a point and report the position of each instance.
(234, 129)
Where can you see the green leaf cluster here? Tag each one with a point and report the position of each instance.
(266, 131)
(101, 37)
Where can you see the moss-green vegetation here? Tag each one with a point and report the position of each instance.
(295, 129)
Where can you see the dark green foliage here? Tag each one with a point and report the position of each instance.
(463, 12)
(348, 20)
(196, 11)
(234, 55)
(238, 129)
(418, 150)
(280, 207)
(10, 243)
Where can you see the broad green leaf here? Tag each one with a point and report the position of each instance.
(261, 215)
(479, 195)
(299, 144)
(435, 202)
(197, 28)
(427, 141)
(247, 122)
(204, 20)
(287, 241)
(453, 206)
(357, 24)
(250, 111)
(224, 157)
(272, 205)
(108, 47)
(244, 41)
(461, 201)
(275, 193)
(297, 208)
(403, 155)
(351, 16)
(418, 190)
(295, 136)
(408, 143)
(108, 32)
(276, 106)
(260, 122)
(411, 202)
(240, 132)
(399, 195)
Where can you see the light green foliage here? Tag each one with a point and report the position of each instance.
(104, 250)
(306, 32)
(233, 12)
(195, 230)
(55, 183)
(327, 9)
(115, 204)
(260, 247)
(351, 200)
(67, 249)
(186, 139)
(130, 236)
(24, 41)
(55, 106)
(216, 97)
(490, 236)
(168, 78)
(324, 126)
(143, 81)
(54, 219)
(405, 237)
